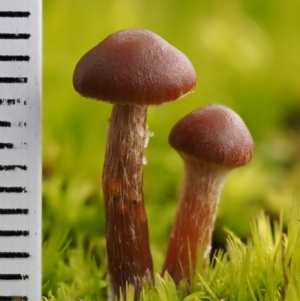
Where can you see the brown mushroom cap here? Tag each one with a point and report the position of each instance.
(213, 133)
(134, 66)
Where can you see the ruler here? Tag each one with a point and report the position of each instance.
(20, 150)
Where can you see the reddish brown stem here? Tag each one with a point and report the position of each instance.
(195, 218)
(128, 251)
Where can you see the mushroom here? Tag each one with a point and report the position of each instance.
(132, 69)
(211, 141)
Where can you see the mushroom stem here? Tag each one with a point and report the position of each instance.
(128, 251)
(195, 217)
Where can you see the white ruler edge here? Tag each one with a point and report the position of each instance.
(20, 149)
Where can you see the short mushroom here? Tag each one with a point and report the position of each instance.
(211, 141)
(132, 69)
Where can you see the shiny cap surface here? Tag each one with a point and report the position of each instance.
(134, 66)
(213, 133)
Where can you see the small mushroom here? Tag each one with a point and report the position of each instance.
(211, 141)
(132, 69)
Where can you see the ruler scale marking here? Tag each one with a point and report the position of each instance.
(13, 211)
(14, 255)
(5, 124)
(13, 298)
(12, 189)
(11, 233)
(9, 124)
(13, 80)
(11, 101)
(14, 14)
(14, 58)
(12, 167)
(6, 145)
(13, 277)
(14, 36)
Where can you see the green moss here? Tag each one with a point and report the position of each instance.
(266, 267)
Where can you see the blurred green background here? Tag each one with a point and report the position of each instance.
(246, 55)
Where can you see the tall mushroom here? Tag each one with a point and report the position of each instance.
(132, 69)
(211, 141)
